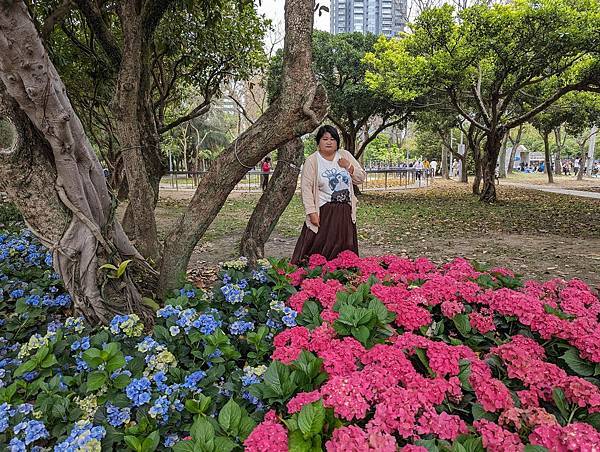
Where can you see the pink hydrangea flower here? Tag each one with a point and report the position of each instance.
(355, 439)
(268, 435)
(497, 439)
(303, 398)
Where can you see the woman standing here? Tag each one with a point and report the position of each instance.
(328, 198)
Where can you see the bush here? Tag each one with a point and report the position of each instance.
(352, 354)
(455, 358)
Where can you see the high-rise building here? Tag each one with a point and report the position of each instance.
(386, 17)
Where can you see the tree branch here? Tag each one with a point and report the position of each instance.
(463, 112)
(377, 131)
(55, 17)
(197, 111)
(109, 44)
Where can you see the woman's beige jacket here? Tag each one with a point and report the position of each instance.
(309, 185)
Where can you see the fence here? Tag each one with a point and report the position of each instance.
(377, 179)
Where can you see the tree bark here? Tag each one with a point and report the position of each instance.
(93, 236)
(490, 159)
(273, 201)
(502, 169)
(557, 163)
(582, 161)
(300, 108)
(445, 166)
(125, 106)
(515, 146)
(547, 157)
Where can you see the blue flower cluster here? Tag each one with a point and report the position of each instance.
(27, 432)
(234, 293)
(289, 319)
(192, 380)
(117, 416)
(259, 276)
(84, 436)
(81, 344)
(207, 322)
(240, 327)
(138, 391)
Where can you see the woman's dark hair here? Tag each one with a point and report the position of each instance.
(332, 131)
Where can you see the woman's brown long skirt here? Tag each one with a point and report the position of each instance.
(337, 233)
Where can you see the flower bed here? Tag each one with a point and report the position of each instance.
(352, 354)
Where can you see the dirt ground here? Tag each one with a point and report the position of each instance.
(529, 232)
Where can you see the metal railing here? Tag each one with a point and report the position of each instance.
(377, 179)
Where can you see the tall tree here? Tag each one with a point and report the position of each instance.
(137, 51)
(80, 198)
(75, 217)
(488, 55)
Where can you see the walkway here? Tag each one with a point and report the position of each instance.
(560, 191)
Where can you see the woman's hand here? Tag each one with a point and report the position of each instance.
(314, 219)
(346, 165)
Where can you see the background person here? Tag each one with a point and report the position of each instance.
(327, 190)
(266, 169)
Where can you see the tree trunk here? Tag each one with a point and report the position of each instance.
(488, 167)
(557, 163)
(445, 167)
(300, 108)
(273, 201)
(125, 106)
(502, 169)
(513, 151)
(582, 161)
(547, 158)
(93, 236)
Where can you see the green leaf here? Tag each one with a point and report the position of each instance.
(151, 442)
(423, 358)
(95, 381)
(108, 267)
(462, 324)
(93, 357)
(593, 420)
(297, 443)
(121, 381)
(479, 413)
(122, 267)
(533, 448)
(311, 418)
(49, 361)
(202, 430)
(561, 403)
(27, 366)
(576, 364)
(230, 416)
(184, 446)
(310, 315)
(361, 334)
(223, 444)
(276, 377)
(116, 362)
(247, 424)
(151, 303)
(473, 445)
(133, 442)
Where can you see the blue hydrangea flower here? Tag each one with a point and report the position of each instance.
(233, 293)
(170, 440)
(259, 276)
(160, 408)
(192, 380)
(240, 327)
(138, 391)
(30, 376)
(117, 417)
(17, 293)
(82, 434)
(207, 324)
(33, 429)
(248, 380)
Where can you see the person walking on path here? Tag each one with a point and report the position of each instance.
(266, 169)
(327, 191)
(434, 165)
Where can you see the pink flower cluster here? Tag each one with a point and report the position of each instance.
(396, 389)
(268, 435)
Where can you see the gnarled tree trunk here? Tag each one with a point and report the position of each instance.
(513, 152)
(547, 157)
(273, 201)
(489, 161)
(300, 108)
(125, 106)
(93, 236)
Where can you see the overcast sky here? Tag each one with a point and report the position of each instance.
(273, 9)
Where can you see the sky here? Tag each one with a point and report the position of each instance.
(273, 9)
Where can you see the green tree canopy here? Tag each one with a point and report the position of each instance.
(484, 58)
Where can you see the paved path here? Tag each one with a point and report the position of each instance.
(561, 191)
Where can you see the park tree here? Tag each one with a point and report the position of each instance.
(359, 113)
(487, 55)
(138, 69)
(63, 194)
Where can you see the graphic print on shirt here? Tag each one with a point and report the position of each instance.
(339, 184)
